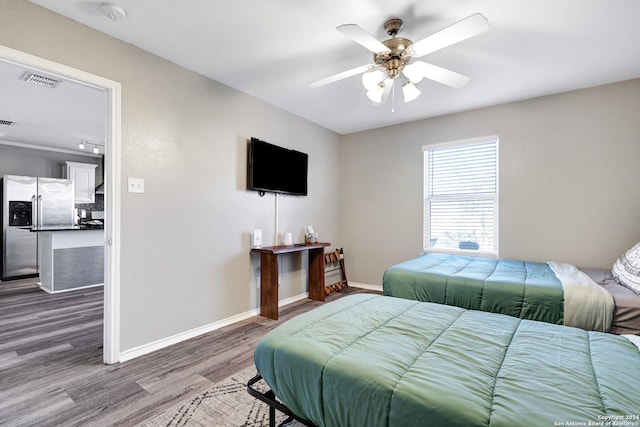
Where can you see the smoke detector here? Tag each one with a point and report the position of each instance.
(113, 11)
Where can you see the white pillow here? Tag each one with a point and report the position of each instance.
(626, 269)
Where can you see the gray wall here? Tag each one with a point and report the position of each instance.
(569, 180)
(15, 160)
(185, 241)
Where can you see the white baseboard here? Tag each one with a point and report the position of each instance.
(175, 339)
(293, 299)
(183, 336)
(366, 286)
(68, 290)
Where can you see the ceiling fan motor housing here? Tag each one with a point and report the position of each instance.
(395, 60)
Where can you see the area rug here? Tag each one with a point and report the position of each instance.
(226, 404)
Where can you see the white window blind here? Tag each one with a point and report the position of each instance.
(461, 195)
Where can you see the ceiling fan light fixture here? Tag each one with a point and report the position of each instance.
(410, 91)
(375, 95)
(372, 79)
(380, 94)
(413, 73)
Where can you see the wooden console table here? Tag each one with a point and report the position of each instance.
(269, 274)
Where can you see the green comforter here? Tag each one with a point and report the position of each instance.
(528, 290)
(370, 360)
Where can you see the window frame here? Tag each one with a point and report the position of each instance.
(426, 220)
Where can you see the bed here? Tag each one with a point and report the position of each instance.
(626, 314)
(372, 360)
(551, 292)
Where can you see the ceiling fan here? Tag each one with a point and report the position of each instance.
(397, 57)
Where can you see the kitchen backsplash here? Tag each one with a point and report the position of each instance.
(90, 207)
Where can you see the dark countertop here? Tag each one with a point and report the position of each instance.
(66, 228)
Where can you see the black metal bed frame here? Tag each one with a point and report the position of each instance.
(269, 397)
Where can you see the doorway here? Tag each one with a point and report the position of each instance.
(112, 180)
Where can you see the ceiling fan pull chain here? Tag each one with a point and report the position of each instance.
(393, 100)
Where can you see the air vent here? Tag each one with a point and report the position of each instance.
(39, 80)
(6, 123)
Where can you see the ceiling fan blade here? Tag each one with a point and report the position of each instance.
(342, 75)
(419, 69)
(363, 38)
(461, 30)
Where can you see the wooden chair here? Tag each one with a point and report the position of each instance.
(333, 262)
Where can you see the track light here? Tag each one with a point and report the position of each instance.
(95, 149)
(81, 145)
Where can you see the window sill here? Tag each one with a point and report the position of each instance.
(484, 254)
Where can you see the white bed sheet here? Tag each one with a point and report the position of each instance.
(581, 291)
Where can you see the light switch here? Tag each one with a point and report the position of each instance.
(135, 185)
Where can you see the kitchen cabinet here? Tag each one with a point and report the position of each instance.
(84, 177)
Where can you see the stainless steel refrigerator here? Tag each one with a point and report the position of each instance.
(30, 203)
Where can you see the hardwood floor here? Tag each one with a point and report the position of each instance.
(51, 370)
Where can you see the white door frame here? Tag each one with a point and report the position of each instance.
(112, 89)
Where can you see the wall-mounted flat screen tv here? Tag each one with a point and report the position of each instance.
(275, 169)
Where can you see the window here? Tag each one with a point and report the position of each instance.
(461, 196)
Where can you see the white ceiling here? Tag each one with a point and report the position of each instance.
(58, 117)
(274, 49)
